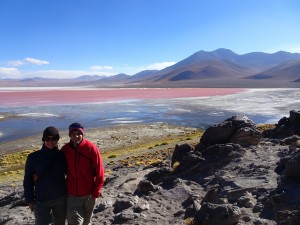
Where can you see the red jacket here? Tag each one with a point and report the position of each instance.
(85, 174)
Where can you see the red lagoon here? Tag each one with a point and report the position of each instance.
(77, 96)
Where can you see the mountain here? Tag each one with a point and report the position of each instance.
(224, 68)
(202, 56)
(254, 59)
(144, 74)
(90, 77)
(219, 68)
(265, 60)
(118, 78)
(211, 69)
(288, 70)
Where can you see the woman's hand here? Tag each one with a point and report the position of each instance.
(34, 177)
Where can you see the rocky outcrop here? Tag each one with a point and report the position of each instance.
(286, 126)
(243, 175)
(180, 152)
(292, 167)
(235, 175)
(218, 214)
(237, 129)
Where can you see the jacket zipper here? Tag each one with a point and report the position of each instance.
(76, 171)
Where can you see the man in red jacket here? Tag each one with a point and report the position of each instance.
(85, 176)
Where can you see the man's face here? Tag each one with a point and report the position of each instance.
(76, 137)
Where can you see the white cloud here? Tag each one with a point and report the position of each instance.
(133, 70)
(62, 74)
(295, 49)
(25, 61)
(35, 61)
(12, 73)
(15, 63)
(9, 72)
(97, 68)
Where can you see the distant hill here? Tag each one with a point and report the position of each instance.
(224, 68)
(288, 70)
(218, 68)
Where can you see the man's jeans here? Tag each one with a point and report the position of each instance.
(80, 210)
(53, 211)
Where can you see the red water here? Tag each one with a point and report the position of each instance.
(67, 96)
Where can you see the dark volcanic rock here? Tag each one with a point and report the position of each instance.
(237, 129)
(180, 152)
(232, 177)
(292, 167)
(286, 127)
(223, 152)
(218, 214)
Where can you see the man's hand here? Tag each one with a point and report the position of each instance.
(31, 205)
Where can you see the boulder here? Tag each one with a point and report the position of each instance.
(237, 129)
(122, 204)
(247, 200)
(180, 152)
(294, 119)
(246, 136)
(216, 134)
(218, 214)
(286, 127)
(146, 186)
(292, 167)
(223, 152)
(125, 215)
(157, 176)
(290, 217)
(212, 196)
(292, 140)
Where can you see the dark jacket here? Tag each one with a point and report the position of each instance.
(85, 169)
(49, 165)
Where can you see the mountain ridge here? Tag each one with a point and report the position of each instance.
(219, 68)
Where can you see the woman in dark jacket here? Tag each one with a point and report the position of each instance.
(44, 181)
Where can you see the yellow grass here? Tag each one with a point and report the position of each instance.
(189, 221)
(175, 166)
(12, 165)
(263, 127)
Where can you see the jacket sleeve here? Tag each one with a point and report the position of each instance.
(99, 173)
(28, 182)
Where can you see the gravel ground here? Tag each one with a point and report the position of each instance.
(109, 138)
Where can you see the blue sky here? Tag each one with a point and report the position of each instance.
(69, 38)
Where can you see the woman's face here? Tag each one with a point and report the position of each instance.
(51, 142)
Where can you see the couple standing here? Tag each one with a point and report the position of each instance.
(52, 195)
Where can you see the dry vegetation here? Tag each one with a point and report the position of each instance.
(139, 154)
(12, 166)
(264, 127)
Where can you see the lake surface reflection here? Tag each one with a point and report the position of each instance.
(260, 105)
